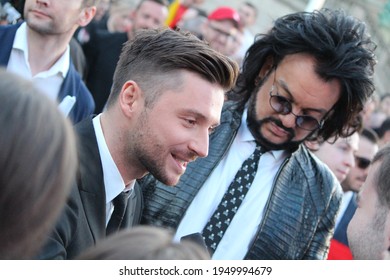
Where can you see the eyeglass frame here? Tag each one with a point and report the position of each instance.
(287, 101)
(362, 162)
(223, 33)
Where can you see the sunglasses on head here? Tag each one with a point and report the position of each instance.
(361, 162)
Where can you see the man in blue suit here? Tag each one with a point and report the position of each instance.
(38, 49)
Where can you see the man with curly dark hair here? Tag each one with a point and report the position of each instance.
(307, 78)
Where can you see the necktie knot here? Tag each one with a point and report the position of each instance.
(259, 151)
(120, 201)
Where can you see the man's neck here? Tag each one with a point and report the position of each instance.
(45, 50)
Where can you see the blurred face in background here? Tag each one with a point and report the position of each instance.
(221, 35)
(120, 19)
(247, 15)
(192, 2)
(340, 155)
(234, 44)
(149, 15)
(385, 105)
(363, 157)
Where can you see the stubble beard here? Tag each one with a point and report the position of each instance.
(40, 28)
(150, 154)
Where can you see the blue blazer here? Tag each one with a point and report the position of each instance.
(72, 85)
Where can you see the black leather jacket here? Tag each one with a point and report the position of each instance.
(300, 213)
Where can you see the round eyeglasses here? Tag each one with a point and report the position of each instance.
(282, 105)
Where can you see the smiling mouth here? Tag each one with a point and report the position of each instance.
(182, 162)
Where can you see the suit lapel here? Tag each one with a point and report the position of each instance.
(196, 175)
(90, 180)
(134, 208)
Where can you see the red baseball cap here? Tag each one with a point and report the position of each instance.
(225, 13)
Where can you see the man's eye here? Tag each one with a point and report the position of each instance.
(191, 122)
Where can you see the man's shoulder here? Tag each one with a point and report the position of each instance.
(74, 86)
(231, 110)
(8, 32)
(229, 123)
(312, 167)
(9, 28)
(315, 177)
(61, 238)
(7, 37)
(85, 125)
(85, 132)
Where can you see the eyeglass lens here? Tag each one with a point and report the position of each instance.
(220, 31)
(361, 162)
(283, 106)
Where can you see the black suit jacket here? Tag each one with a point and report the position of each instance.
(82, 222)
(102, 54)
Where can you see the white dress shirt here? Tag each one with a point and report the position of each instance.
(242, 229)
(113, 181)
(50, 81)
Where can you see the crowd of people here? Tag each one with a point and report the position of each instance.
(153, 129)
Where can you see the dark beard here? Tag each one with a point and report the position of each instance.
(255, 125)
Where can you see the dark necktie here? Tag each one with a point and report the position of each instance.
(120, 203)
(235, 194)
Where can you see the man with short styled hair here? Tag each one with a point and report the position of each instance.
(369, 230)
(167, 96)
(38, 49)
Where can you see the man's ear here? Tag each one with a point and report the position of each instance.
(130, 98)
(86, 15)
(267, 67)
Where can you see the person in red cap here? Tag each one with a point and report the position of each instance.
(222, 30)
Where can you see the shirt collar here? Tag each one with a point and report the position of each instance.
(113, 181)
(20, 43)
